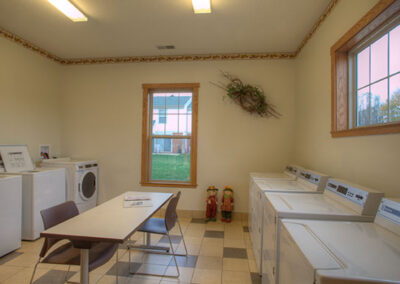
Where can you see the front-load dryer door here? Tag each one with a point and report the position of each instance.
(88, 186)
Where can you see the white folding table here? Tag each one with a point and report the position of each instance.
(108, 222)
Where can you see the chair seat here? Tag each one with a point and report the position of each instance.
(154, 225)
(99, 254)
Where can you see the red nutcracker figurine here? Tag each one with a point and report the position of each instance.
(227, 204)
(212, 203)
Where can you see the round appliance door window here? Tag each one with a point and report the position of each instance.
(88, 185)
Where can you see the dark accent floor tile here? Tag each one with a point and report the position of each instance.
(235, 252)
(245, 229)
(185, 261)
(9, 257)
(174, 239)
(198, 220)
(255, 278)
(54, 276)
(123, 269)
(214, 234)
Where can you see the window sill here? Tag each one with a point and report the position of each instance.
(370, 130)
(179, 185)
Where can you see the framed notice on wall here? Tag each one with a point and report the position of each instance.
(16, 158)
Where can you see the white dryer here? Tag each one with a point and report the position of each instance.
(291, 173)
(41, 187)
(81, 180)
(307, 182)
(341, 200)
(339, 252)
(10, 213)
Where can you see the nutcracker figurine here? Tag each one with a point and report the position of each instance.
(227, 204)
(212, 203)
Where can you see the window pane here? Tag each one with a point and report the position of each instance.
(171, 159)
(394, 50)
(185, 124)
(379, 59)
(172, 103)
(363, 107)
(171, 125)
(394, 103)
(379, 101)
(158, 101)
(185, 103)
(363, 68)
(158, 126)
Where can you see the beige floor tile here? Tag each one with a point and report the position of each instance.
(23, 276)
(152, 269)
(146, 280)
(193, 249)
(235, 264)
(234, 243)
(27, 259)
(93, 278)
(212, 242)
(213, 226)
(211, 250)
(233, 277)
(157, 259)
(111, 279)
(193, 240)
(250, 254)
(8, 271)
(209, 262)
(186, 275)
(204, 276)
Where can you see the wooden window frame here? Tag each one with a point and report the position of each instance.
(146, 150)
(383, 12)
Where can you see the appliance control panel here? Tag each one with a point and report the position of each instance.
(291, 169)
(347, 191)
(390, 209)
(310, 177)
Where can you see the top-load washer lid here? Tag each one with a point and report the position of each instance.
(365, 251)
(291, 172)
(16, 158)
(307, 181)
(330, 203)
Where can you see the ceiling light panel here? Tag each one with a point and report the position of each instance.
(201, 6)
(69, 10)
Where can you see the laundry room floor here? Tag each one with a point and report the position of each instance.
(218, 253)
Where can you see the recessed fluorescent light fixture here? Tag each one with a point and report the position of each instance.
(201, 6)
(69, 10)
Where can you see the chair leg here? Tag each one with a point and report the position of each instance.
(183, 238)
(66, 275)
(116, 268)
(34, 271)
(173, 254)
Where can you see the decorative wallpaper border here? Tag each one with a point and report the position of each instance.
(171, 58)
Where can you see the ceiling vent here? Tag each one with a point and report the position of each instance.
(161, 47)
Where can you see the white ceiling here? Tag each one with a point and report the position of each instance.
(135, 27)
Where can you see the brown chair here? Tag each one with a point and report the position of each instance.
(66, 254)
(162, 227)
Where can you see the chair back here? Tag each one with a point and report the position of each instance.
(53, 216)
(170, 213)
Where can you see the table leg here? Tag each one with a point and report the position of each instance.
(84, 266)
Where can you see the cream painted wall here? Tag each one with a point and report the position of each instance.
(102, 108)
(369, 160)
(29, 98)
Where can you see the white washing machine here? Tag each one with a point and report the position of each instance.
(341, 200)
(291, 173)
(307, 182)
(81, 180)
(10, 213)
(41, 187)
(342, 252)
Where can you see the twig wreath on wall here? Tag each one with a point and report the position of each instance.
(252, 99)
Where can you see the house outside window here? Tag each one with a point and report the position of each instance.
(170, 141)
